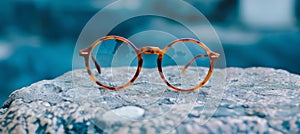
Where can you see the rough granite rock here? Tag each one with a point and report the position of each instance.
(255, 100)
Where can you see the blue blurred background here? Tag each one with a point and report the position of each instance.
(37, 38)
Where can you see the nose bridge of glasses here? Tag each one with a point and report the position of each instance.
(150, 50)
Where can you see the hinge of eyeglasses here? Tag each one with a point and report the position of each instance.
(214, 56)
(84, 53)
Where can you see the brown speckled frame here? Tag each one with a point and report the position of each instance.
(86, 53)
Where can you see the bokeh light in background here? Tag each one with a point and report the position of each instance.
(37, 38)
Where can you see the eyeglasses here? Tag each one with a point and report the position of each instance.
(114, 43)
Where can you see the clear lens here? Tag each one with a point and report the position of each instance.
(117, 61)
(177, 57)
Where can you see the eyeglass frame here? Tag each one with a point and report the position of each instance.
(86, 53)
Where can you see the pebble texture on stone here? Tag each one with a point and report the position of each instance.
(255, 100)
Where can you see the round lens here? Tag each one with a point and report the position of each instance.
(185, 65)
(113, 62)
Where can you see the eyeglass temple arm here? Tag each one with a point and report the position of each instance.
(96, 64)
(192, 60)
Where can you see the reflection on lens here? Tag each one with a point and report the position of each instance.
(116, 60)
(185, 65)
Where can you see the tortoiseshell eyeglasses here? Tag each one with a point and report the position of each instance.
(174, 62)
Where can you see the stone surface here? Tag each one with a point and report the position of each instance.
(258, 100)
(127, 113)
